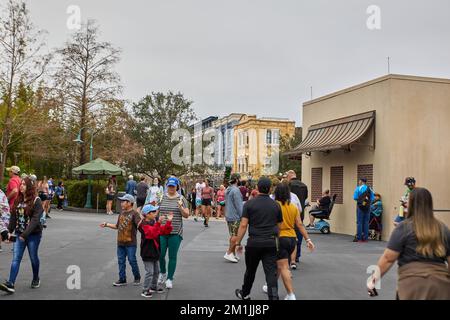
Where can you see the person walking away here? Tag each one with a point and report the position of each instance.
(244, 190)
(4, 218)
(110, 194)
(25, 230)
(300, 189)
(233, 214)
(207, 199)
(130, 187)
(61, 195)
(198, 201)
(154, 193)
(410, 184)
(175, 204)
(288, 237)
(151, 230)
(141, 193)
(363, 197)
(262, 216)
(126, 226)
(376, 211)
(13, 186)
(220, 201)
(43, 191)
(421, 246)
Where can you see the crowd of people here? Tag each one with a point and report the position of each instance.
(272, 214)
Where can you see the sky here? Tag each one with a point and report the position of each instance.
(259, 56)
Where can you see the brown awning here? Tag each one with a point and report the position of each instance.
(335, 134)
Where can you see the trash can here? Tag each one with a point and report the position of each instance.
(119, 195)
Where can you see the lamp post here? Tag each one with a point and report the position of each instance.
(89, 192)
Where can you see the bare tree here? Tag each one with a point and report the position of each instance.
(86, 79)
(21, 63)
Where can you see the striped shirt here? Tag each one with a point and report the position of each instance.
(169, 205)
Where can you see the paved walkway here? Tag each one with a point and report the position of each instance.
(336, 270)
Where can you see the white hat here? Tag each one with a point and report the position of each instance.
(14, 169)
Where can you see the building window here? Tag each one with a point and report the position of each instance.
(268, 136)
(337, 183)
(366, 171)
(316, 184)
(276, 137)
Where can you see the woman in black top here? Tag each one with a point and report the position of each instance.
(25, 230)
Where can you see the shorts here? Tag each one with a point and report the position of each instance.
(198, 202)
(286, 247)
(206, 202)
(109, 197)
(233, 227)
(140, 202)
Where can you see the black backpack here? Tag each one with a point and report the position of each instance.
(364, 200)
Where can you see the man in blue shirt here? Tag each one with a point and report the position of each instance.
(131, 186)
(363, 196)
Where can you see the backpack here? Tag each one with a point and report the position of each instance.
(364, 200)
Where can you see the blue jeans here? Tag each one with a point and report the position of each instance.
(32, 243)
(362, 221)
(122, 253)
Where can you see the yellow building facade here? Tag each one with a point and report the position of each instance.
(256, 145)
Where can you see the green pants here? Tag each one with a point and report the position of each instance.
(171, 242)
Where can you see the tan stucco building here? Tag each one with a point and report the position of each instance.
(256, 145)
(385, 129)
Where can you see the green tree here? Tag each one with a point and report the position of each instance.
(157, 116)
(85, 80)
(21, 65)
(288, 143)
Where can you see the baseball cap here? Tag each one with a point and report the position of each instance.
(127, 197)
(149, 208)
(14, 169)
(172, 182)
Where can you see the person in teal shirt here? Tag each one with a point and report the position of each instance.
(363, 196)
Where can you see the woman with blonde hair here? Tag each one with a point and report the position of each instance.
(421, 246)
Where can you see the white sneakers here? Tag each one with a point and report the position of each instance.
(230, 257)
(265, 287)
(169, 284)
(290, 296)
(162, 277)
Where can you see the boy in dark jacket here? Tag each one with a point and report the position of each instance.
(150, 247)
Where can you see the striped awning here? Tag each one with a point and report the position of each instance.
(335, 134)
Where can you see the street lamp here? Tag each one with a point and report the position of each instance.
(89, 192)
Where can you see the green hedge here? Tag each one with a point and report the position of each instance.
(77, 190)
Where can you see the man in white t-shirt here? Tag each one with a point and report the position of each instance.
(198, 197)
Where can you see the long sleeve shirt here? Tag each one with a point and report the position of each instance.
(234, 204)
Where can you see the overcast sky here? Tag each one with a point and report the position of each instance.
(259, 56)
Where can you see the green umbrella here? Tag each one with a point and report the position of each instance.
(98, 167)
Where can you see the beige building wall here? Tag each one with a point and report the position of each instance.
(412, 127)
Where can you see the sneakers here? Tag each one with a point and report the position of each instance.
(137, 281)
(169, 284)
(236, 256)
(120, 283)
(195, 219)
(230, 257)
(146, 294)
(158, 290)
(239, 295)
(35, 284)
(162, 278)
(7, 287)
(1, 250)
(290, 296)
(264, 288)
(110, 213)
(293, 266)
